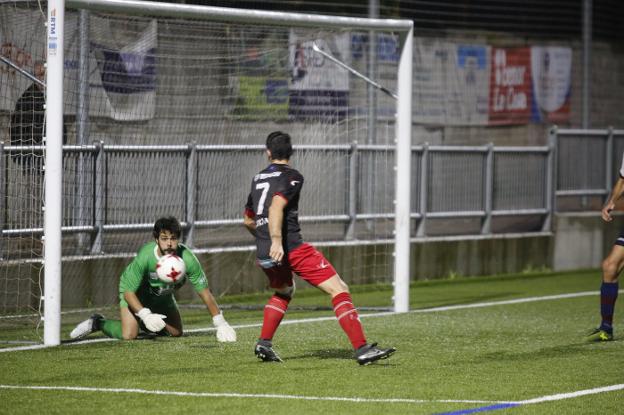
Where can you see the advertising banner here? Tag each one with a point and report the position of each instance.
(451, 83)
(469, 86)
(319, 89)
(551, 70)
(122, 70)
(510, 86)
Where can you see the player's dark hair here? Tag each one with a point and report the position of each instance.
(278, 143)
(167, 223)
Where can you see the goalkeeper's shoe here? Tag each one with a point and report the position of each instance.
(264, 351)
(87, 327)
(600, 335)
(370, 353)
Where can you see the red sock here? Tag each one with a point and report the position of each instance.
(348, 318)
(273, 313)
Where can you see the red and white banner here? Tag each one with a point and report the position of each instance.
(510, 86)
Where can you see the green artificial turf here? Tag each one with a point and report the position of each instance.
(496, 353)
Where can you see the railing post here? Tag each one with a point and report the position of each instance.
(99, 197)
(353, 190)
(424, 168)
(82, 129)
(551, 180)
(488, 190)
(191, 187)
(3, 186)
(609, 162)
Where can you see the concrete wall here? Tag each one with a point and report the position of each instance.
(579, 241)
(583, 240)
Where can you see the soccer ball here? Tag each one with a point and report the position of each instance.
(170, 269)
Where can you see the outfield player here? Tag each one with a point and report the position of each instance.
(611, 268)
(271, 216)
(148, 303)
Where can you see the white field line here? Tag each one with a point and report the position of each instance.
(541, 399)
(569, 395)
(317, 319)
(245, 395)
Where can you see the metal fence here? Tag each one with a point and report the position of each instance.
(113, 188)
(587, 160)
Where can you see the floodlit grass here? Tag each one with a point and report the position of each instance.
(498, 353)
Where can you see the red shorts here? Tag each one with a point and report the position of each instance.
(306, 262)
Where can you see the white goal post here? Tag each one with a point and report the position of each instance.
(54, 125)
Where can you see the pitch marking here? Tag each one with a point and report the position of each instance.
(239, 395)
(381, 314)
(541, 399)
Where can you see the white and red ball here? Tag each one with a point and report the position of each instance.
(170, 269)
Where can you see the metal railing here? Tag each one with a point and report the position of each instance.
(448, 182)
(587, 160)
(110, 188)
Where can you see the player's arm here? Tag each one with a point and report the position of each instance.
(196, 275)
(133, 301)
(249, 217)
(276, 220)
(129, 283)
(616, 194)
(209, 301)
(250, 223)
(225, 332)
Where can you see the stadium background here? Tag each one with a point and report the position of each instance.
(509, 25)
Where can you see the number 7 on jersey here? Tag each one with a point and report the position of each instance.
(264, 186)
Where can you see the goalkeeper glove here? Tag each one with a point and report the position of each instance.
(153, 322)
(225, 333)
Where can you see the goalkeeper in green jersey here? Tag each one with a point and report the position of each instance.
(148, 303)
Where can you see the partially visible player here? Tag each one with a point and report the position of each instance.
(147, 302)
(611, 268)
(271, 215)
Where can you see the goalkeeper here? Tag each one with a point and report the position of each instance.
(148, 303)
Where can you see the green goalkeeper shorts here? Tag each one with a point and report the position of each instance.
(157, 304)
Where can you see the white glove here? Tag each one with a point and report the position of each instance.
(153, 322)
(225, 333)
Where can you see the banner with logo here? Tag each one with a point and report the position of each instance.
(510, 86)
(122, 77)
(469, 85)
(386, 69)
(551, 71)
(122, 69)
(318, 88)
(260, 86)
(451, 83)
(18, 30)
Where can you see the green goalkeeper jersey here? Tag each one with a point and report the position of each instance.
(140, 275)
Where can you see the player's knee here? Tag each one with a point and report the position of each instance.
(342, 286)
(610, 269)
(129, 336)
(287, 292)
(176, 334)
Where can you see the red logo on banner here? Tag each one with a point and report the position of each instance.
(510, 86)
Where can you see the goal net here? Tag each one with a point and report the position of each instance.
(166, 109)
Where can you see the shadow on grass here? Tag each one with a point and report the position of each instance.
(326, 354)
(556, 352)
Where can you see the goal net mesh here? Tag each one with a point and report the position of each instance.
(168, 116)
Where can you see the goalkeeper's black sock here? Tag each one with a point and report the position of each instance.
(112, 328)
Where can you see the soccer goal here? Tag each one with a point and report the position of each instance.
(156, 109)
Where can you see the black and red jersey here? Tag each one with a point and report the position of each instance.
(284, 181)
